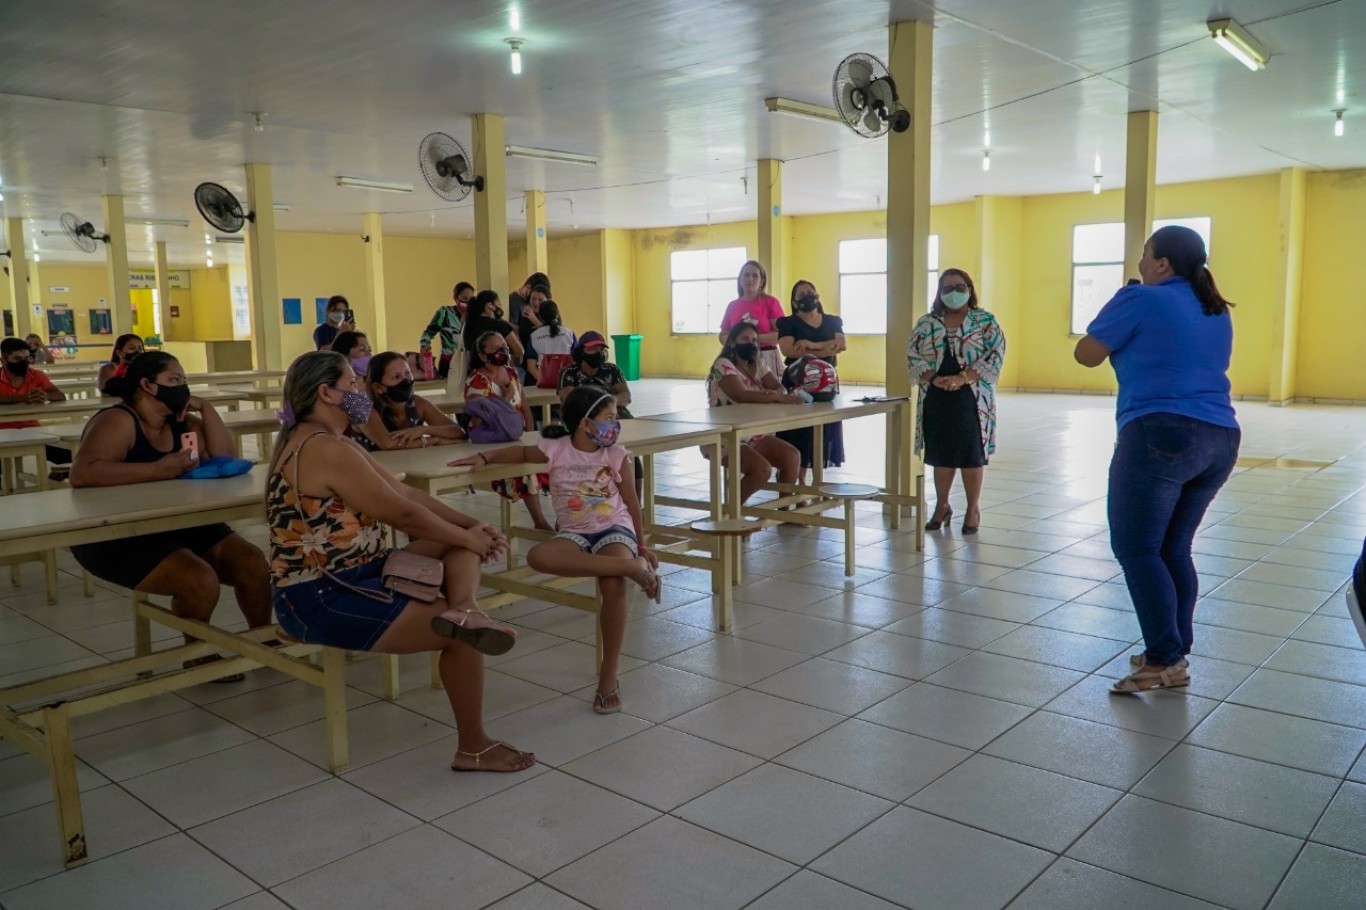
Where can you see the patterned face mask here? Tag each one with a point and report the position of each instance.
(357, 406)
(605, 434)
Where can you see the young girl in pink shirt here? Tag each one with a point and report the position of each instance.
(592, 488)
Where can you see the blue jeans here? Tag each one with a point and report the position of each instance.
(1164, 474)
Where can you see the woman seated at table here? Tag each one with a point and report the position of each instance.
(809, 332)
(401, 419)
(492, 376)
(327, 502)
(355, 347)
(738, 377)
(140, 440)
(126, 347)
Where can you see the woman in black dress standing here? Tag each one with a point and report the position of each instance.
(955, 355)
(810, 332)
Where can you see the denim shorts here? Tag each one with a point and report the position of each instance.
(322, 612)
(594, 543)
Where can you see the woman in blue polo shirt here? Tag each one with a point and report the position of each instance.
(1169, 340)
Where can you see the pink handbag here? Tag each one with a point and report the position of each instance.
(413, 575)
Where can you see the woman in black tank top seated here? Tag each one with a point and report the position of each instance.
(138, 441)
(401, 419)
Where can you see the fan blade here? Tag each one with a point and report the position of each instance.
(848, 96)
(860, 73)
(872, 122)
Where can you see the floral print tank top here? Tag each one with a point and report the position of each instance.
(311, 536)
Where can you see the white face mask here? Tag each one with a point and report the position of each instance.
(336, 318)
(955, 300)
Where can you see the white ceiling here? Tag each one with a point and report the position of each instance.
(668, 94)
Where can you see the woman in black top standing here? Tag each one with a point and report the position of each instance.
(139, 440)
(811, 332)
(485, 315)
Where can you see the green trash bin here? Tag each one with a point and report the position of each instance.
(628, 354)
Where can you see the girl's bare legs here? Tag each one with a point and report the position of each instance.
(612, 626)
(533, 508)
(566, 558)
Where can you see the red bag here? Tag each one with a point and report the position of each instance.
(551, 366)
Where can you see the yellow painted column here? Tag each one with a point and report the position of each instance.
(1140, 187)
(536, 260)
(19, 275)
(116, 265)
(163, 289)
(771, 225)
(263, 271)
(997, 272)
(490, 205)
(1285, 324)
(908, 222)
(374, 280)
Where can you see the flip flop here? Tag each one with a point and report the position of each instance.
(517, 753)
(476, 629)
(600, 705)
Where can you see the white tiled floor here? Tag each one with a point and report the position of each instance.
(933, 733)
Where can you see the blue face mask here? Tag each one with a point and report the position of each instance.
(605, 434)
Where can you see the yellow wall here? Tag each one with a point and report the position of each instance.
(319, 265)
(210, 305)
(619, 275)
(1243, 250)
(419, 275)
(1332, 328)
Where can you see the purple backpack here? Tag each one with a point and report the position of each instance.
(498, 420)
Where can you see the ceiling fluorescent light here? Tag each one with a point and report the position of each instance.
(226, 239)
(516, 45)
(1338, 126)
(521, 151)
(802, 109)
(1233, 38)
(281, 207)
(151, 219)
(361, 183)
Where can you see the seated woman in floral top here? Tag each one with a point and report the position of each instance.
(738, 377)
(492, 376)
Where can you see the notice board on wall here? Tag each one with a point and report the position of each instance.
(293, 310)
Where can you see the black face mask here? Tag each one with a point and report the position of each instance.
(400, 391)
(175, 397)
(497, 358)
(747, 352)
(18, 369)
(596, 359)
(807, 304)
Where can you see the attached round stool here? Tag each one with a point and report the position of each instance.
(728, 532)
(850, 493)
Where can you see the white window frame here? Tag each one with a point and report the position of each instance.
(853, 320)
(718, 288)
(1202, 224)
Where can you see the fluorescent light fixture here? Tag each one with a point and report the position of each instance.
(360, 183)
(1338, 126)
(1095, 190)
(280, 207)
(152, 219)
(516, 45)
(802, 109)
(2, 197)
(36, 257)
(521, 151)
(223, 238)
(1233, 38)
(986, 159)
(515, 19)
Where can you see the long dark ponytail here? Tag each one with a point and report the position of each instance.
(482, 303)
(549, 311)
(584, 402)
(1185, 250)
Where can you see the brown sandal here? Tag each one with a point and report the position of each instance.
(1146, 678)
(476, 629)
(516, 754)
(603, 701)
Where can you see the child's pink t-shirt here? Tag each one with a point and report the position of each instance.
(765, 310)
(585, 486)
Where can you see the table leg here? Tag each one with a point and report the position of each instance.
(647, 506)
(734, 505)
(817, 455)
(9, 475)
(920, 512)
(849, 537)
(726, 550)
(61, 765)
(334, 708)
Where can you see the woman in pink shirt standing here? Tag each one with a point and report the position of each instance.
(756, 306)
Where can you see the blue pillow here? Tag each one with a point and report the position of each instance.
(219, 466)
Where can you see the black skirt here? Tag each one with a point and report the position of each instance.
(802, 439)
(953, 434)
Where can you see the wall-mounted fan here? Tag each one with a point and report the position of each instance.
(865, 96)
(220, 208)
(446, 167)
(82, 233)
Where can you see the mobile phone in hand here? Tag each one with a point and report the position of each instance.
(350, 317)
(190, 442)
